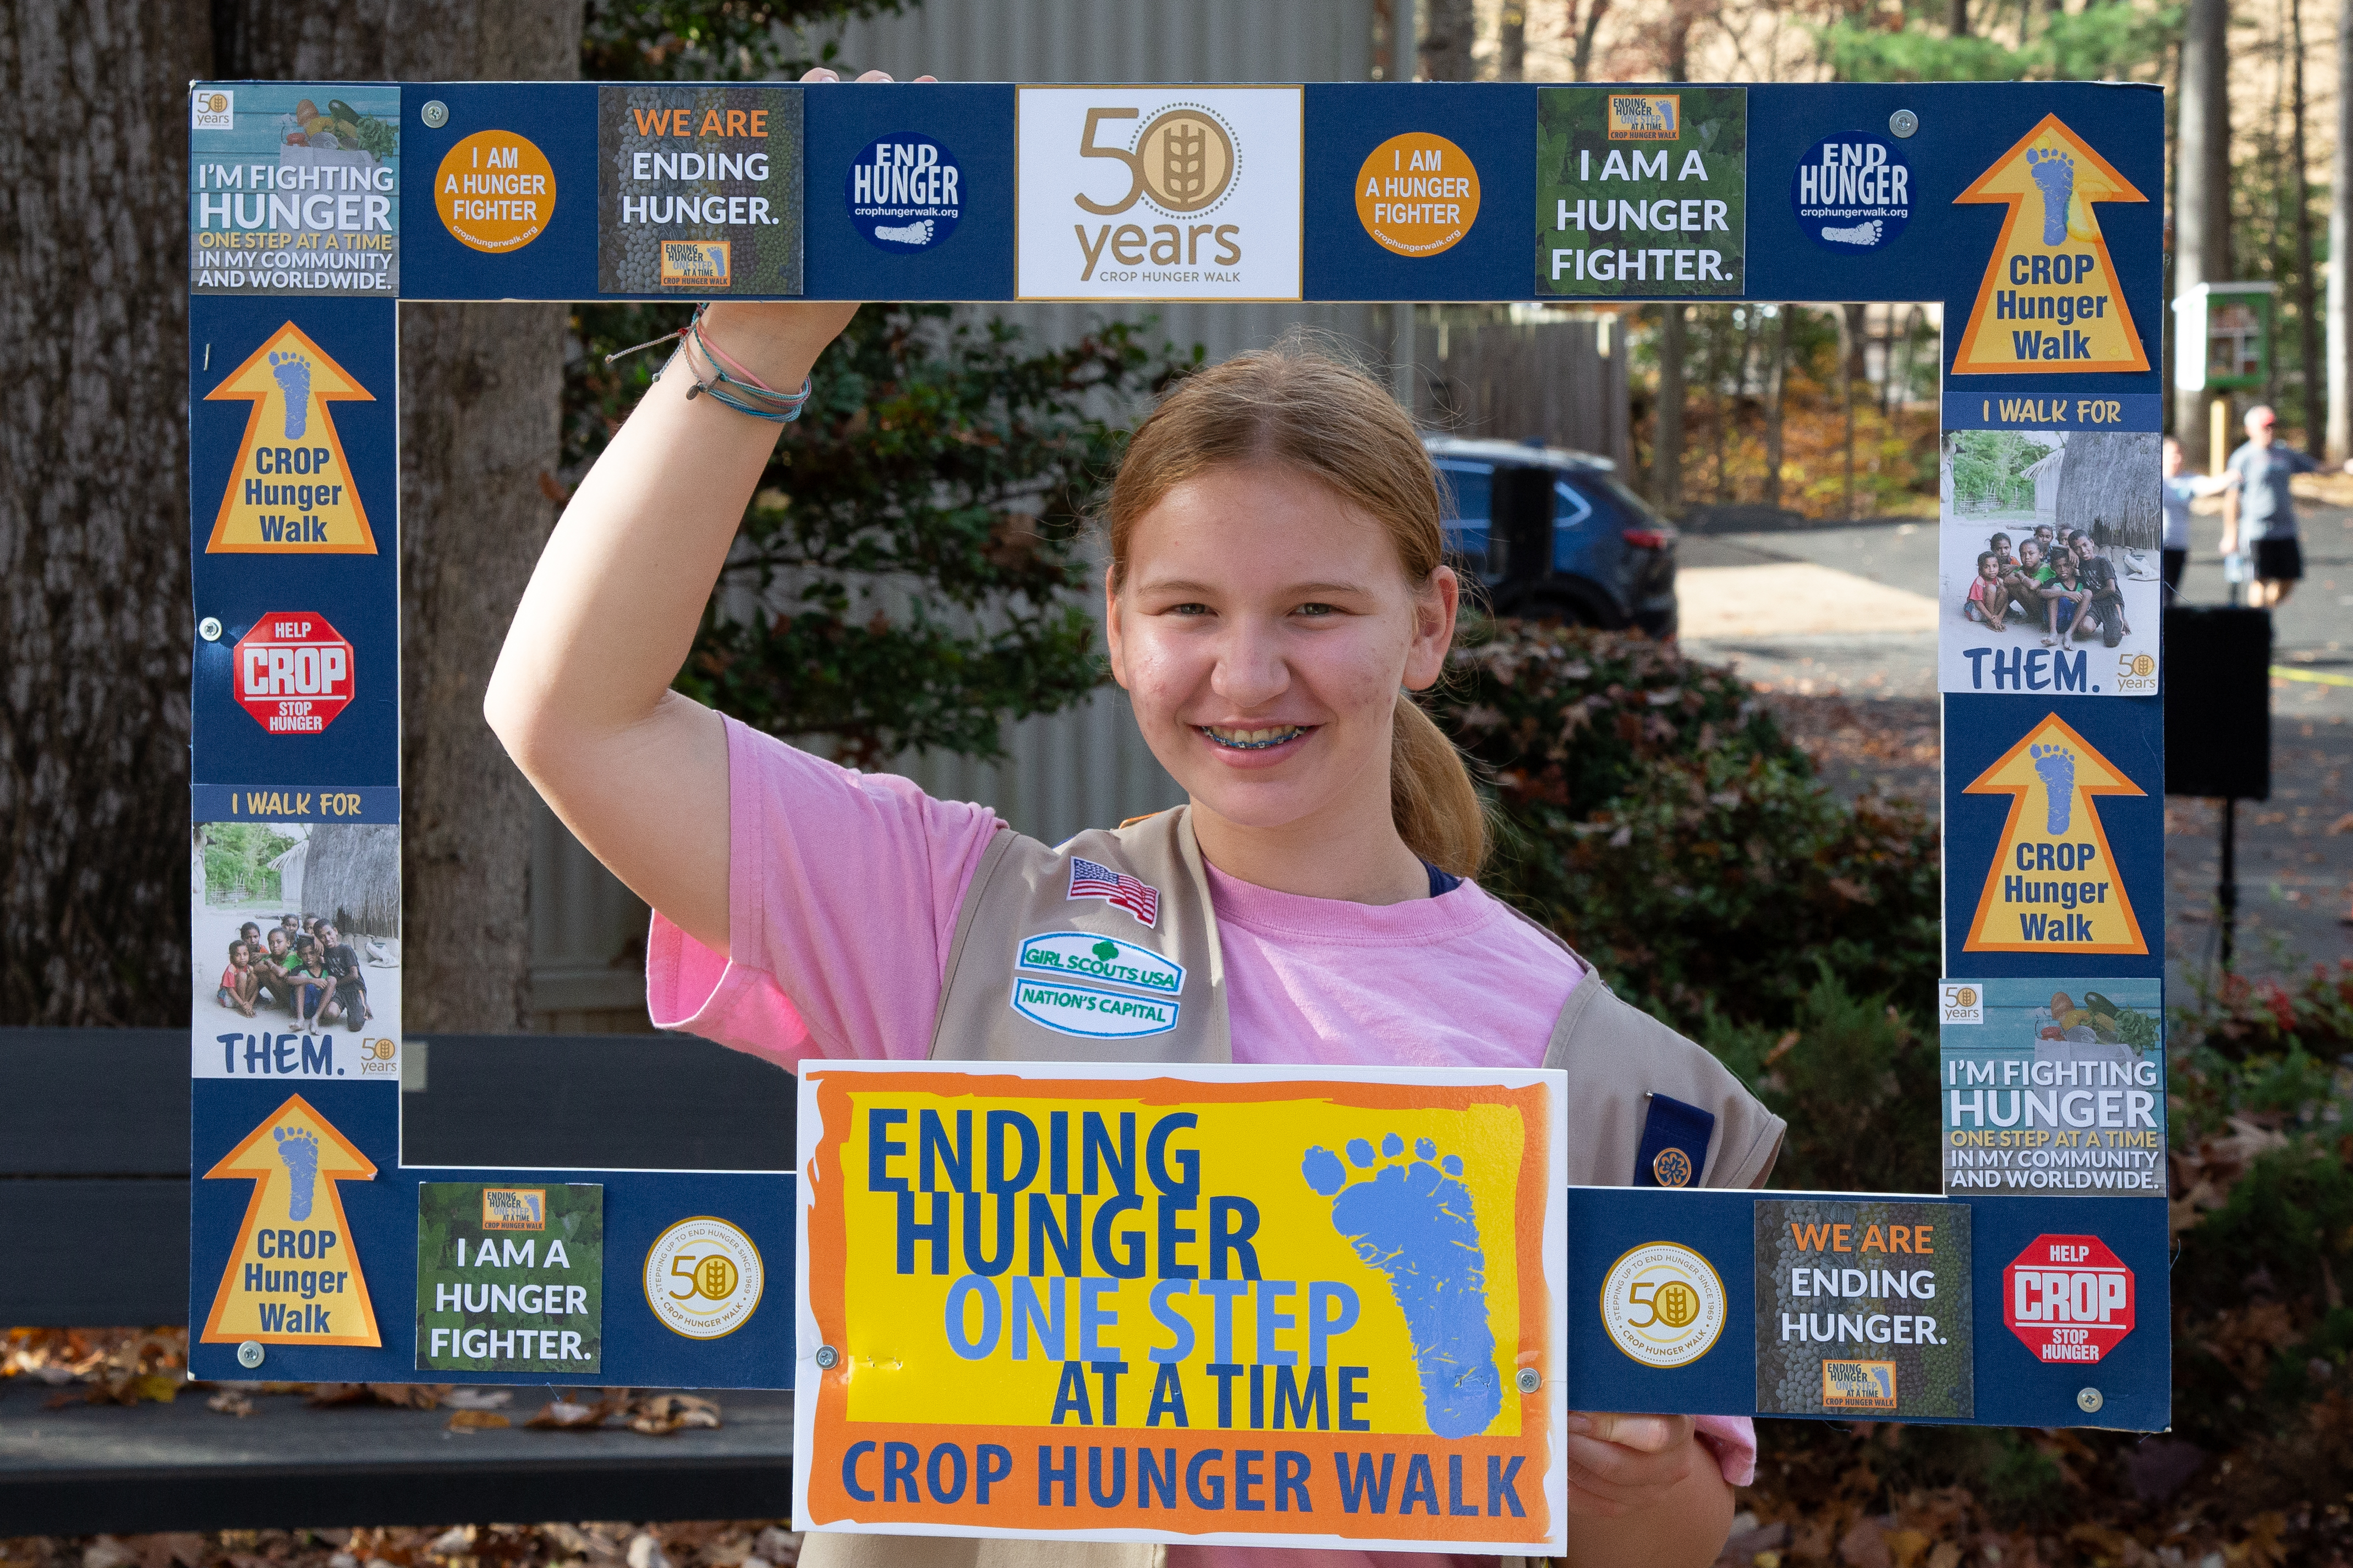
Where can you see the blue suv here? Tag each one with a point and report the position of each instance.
(1611, 561)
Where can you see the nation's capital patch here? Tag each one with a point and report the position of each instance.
(1121, 891)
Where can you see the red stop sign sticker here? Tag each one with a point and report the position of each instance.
(2068, 1298)
(293, 673)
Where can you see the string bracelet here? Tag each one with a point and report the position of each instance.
(742, 392)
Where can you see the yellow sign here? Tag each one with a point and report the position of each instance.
(2050, 301)
(2053, 886)
(1204, 1304)
(293, 1277)
(291, 491)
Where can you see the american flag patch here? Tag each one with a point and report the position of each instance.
(1089, 880)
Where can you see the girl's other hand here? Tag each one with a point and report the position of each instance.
(1628, 1463)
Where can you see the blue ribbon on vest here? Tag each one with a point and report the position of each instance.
(1673, 1152)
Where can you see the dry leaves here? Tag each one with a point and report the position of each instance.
(477, 1421)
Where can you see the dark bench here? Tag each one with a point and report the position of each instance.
(94, 1229)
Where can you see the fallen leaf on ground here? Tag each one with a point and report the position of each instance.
(567, 1415)
(477, 1421)
(229, 1402)
(478, 1398)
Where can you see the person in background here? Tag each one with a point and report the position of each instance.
(2180, 489)
(2265, 510)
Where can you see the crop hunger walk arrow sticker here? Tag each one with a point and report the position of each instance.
(2053, 886)
(291, 490)
(2050, 301)
(293, 1277)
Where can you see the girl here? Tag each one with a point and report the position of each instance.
(1987, 598)
(1275, 584)
(238, 983)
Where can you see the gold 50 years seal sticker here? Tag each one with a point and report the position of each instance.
(1663, 1304)
(703, 1278)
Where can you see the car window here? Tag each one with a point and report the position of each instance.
(1637, 510)
(1467, 488)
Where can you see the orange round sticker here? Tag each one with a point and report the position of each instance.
(495, 192)
(1417, 194)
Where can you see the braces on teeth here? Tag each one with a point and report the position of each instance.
(1291, 733)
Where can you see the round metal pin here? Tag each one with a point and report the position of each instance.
(1527, 1380)
(2089, 1401)
(209, 628)
(826, 1358)
(436, 114)
(248, 1355)
(1903, 122)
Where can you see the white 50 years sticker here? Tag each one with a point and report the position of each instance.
(703, 1278)
(1663, 1304)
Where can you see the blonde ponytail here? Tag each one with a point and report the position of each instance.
(1436, 806)
(1302, 409)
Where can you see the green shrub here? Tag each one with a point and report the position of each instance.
(1650, 811)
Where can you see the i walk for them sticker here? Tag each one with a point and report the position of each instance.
(291, 490)
(293, 1276)
(2053, 885)
(2050, 301)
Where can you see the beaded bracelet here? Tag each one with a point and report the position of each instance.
(744, 393)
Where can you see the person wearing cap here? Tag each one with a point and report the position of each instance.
(2267, 510)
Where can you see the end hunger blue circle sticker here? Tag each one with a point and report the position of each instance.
(1852, 192)
(905, 192)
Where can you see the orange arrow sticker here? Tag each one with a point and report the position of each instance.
(291, 493)
(2050, 301)
(293, 1277)
(2052, 885)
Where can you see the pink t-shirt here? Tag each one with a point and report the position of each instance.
(843, 892)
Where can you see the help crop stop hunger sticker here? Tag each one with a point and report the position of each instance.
(2068, 1298)
(293, 673)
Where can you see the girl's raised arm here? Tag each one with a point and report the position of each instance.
(581, 696)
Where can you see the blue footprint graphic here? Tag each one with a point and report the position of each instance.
(2055, 173)
(300, 1149)
(293, 374)
(2057, 766)
(1412, 1220)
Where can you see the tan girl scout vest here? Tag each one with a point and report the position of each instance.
(1054, 958)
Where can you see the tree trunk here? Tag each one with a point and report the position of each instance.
(2341, 248)
(1581, 67)
(1667, 453)
(1776, 379)
(1956, 19)
(1853, 377)
(2201, 210)
(2307, 310)
(480, 439)
(1447, 39)
(2105, 488)
(1511, 42)
(94, 621)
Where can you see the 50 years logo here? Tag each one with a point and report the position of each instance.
(1130, 192)
(703, 1278)
(1663, 1304)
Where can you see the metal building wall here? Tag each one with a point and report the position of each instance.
(1086, 767)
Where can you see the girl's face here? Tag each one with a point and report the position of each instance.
(1262, 634)
(239, 955)
(1990, 569)
(2029, 554)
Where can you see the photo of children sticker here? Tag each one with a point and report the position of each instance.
(297, 934)
(2049, 566)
